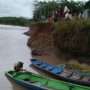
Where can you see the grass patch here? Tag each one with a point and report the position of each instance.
(76, 65)
(73, 37)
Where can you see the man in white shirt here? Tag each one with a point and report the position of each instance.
(67, 16)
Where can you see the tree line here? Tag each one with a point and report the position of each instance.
(15, 21)
(43, 8)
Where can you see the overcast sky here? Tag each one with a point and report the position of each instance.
(18, 8)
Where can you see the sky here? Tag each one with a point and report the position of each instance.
(18, 8)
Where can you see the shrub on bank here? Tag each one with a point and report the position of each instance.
(68, 36)
(74, 64)
(72, 37)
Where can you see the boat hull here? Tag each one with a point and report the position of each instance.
(27, 85)
(85, 83)
(25, 79)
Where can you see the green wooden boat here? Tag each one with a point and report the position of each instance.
(38, 82)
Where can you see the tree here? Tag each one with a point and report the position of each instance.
(87, 5)
(45, 8)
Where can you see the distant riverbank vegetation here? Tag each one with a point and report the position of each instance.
(15, 21)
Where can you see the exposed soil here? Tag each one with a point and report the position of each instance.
(41, 44)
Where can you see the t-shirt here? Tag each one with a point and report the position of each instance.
(66, 10)
(69, 16)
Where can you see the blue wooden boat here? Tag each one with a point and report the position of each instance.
(87, 74)
(61, 73)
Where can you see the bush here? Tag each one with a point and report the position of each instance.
(76, 65)
(72, 37)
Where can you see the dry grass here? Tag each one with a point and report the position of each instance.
(76, 65)
(73, 37)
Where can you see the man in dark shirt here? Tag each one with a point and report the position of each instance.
(18, 66)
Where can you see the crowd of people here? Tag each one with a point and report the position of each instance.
(84, 14)
(60, 13)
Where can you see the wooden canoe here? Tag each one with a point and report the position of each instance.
(37, 82)
(87, 74)
(61, 73)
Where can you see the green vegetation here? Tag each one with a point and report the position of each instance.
(15, 21)
(68, 36)
(76, 65)
(73, 37)
(87, 5)
(43, 8)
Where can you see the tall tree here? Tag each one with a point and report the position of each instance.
(87, 5)
(45, 8)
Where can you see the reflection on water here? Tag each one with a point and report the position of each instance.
(13, 48)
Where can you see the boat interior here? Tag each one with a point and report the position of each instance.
(60, 71)
(38, 80)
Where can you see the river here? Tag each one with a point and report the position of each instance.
(13, 48)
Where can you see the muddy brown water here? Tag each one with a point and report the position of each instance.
(13, 48)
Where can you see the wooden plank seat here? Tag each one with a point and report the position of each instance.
(76, 76)
(49, 67)
(38, 62)
(31, 81)
(44, 65)
(85, 79)
(57, 70)
(50, 87)
(66, 73)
